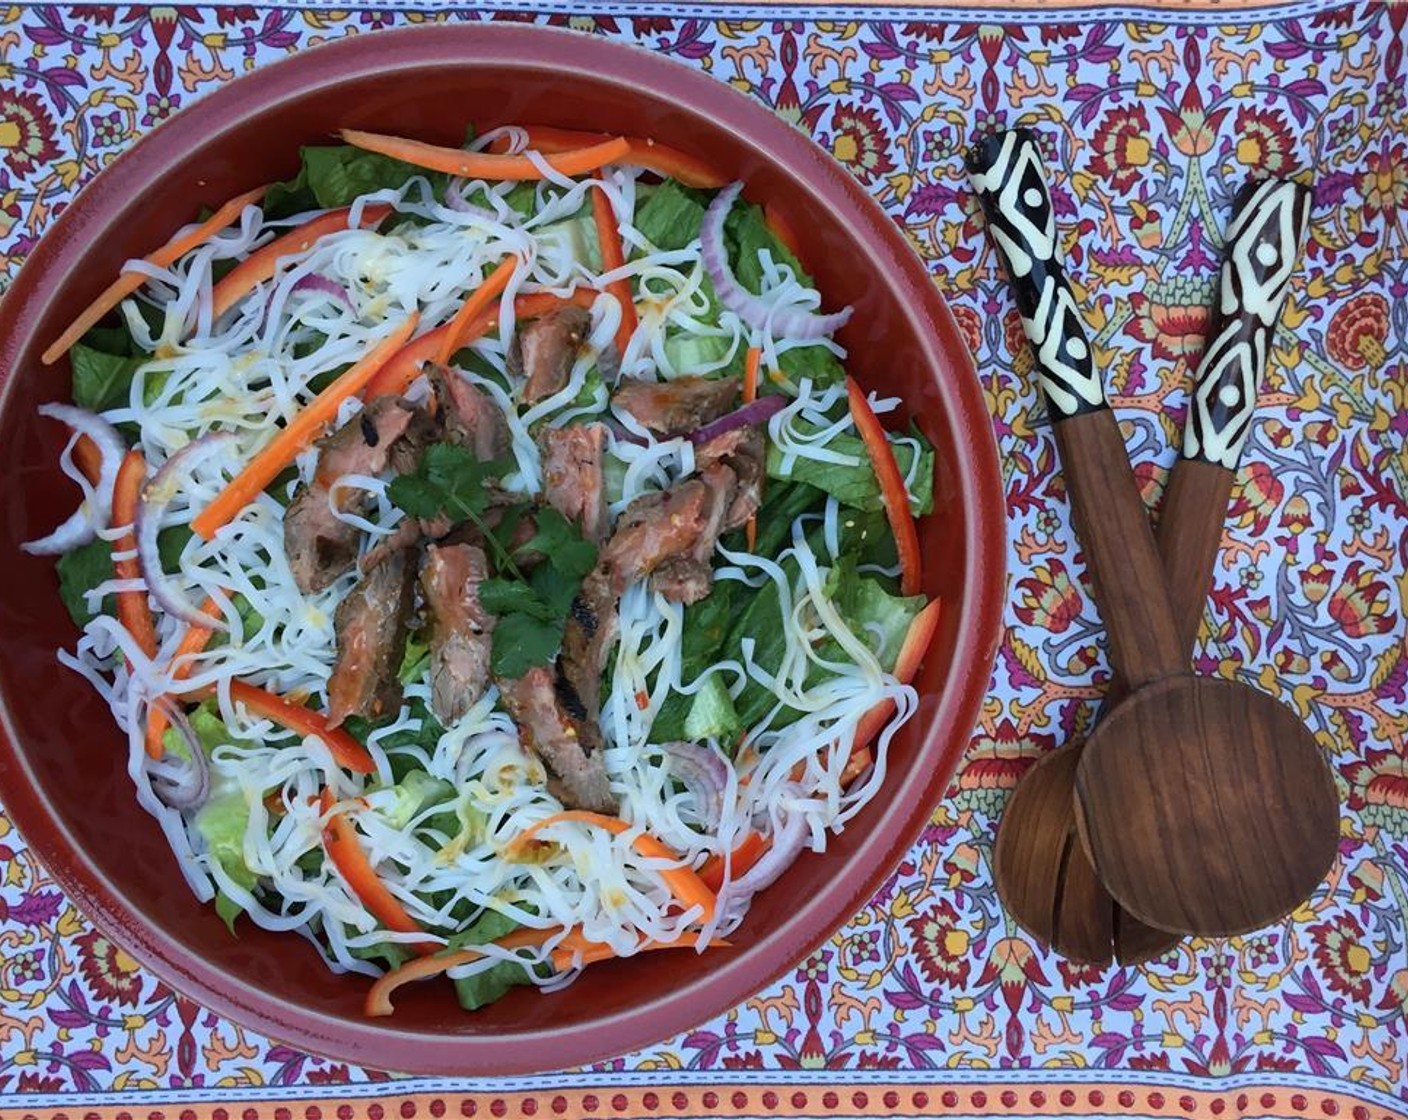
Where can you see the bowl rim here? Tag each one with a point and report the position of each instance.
(380, 1043)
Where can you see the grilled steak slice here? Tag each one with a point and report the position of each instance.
(688, 576)
(651, 531)
(371, 625)
(471, 418)
(460, 628)
(544, 350)
(576, 770)
(744, 451)
(675, 407)
(572, 475)
(320, 547)
(653, 528)
(364, 444)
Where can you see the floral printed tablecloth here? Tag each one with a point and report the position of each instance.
(931, 1001)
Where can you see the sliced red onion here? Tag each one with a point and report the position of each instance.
(787, 844)
(317, 282)
(178, 782)
(83, 524)
(156, 496)
(759, 411)
(755, 311)
(704, 773)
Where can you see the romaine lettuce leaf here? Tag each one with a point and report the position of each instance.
(856, 485)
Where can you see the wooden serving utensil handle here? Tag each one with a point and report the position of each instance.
(1006, 171)
(1268, 225)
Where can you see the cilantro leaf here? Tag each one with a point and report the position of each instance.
(506, 596)
(569, 553)
(532, 612)
(521, 642)
(449, 480)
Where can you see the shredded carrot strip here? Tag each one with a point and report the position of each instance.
(746, 853)
(613, 256)
(263, 263)
(573, 951)
(345, 850)
(192, 642)
(133, 610)
(478, 300)
(892, 487)
(299, 434)
(88, 459)
(668, 162)
(916, 643)
(861, 757)
(405, 366)
(564, 959)
(378, 1000)
(129, 282)
(346, 751)
(683, 882)
(482, 165)
(750, 393)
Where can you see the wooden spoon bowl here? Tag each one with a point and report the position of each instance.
(1047, 883)
(1205, 804)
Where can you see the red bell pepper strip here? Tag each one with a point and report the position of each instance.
(346, 751)
(263, 263)
(613, 256)
(345, 850)
(133, 610)
(892, 488)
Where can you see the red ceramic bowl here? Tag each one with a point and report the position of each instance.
(62, 763)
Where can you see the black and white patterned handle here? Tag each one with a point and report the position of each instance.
(1263, 241)
(1006, 170)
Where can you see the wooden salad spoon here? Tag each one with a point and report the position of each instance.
(1045, 880)
(1206, 806)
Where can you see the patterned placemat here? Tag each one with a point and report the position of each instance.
(930, 1001)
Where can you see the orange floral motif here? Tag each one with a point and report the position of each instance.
(1384, 183)
(1122, 147)
(1173, 315)
(1048, 599)
(858, 141)
(26, 131)
(1342, 955)
(1361, 604)
(941, 946)
(1264, 141)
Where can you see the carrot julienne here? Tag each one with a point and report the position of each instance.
(683, 882)
(299, 434)
(750, 394)
(479, 299)
(916, 643)
(129, 282)
(192, 642)
(665, 161)
(573, 950)
(481, 165)
(745, 854)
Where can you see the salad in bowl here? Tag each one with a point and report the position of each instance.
(486, 555)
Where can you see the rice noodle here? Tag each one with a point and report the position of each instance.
(253, 370)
